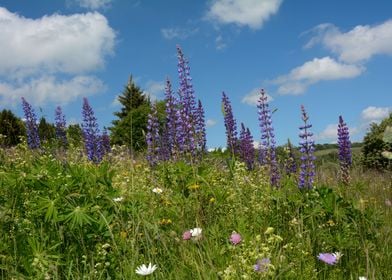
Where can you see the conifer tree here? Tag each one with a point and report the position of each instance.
(129, 129)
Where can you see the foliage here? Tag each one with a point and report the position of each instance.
(374, 146)
(70, 219)
(75, 135)
(46, 131)
(11, 127)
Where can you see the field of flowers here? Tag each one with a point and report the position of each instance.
(177, 211)
(63, 217)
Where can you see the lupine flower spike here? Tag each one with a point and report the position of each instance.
(230, 124)
(33, 140)
(344, 151)
(268, 151)
(91, 135)
(307, 168)
(61, 134)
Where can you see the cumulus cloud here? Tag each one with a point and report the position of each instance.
(253, 97)
(36, 53)
(93, 4)
(330, 133)
(375, 114)
(50, 89)
(316, 70)
(70, 44)
(210, 122)
(178, 33)
(357, 45)
(251, 13)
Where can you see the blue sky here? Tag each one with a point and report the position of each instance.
(334, 57)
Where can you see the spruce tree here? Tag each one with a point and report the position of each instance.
(129, 129)
(11, 127)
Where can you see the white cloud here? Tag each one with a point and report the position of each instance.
(253, 97)
(154, 89)
(93, 4)
(252, 13)
(56, 43)
(311, 72)
(219, 43)
(210, 122)
(178, 33)
(330, 133)
(375, 114)
(50, 89)
(356, 45)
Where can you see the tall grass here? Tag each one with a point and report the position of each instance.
(65, 218)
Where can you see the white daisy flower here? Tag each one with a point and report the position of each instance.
(146, 270)
(337, 255)
(196, 232)
(157, 190)
(118, 199)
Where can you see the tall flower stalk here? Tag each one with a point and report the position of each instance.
(60, 123)
(200, 129)
(230, 125)
(290, 163)
(344, 151)
(91, 134)
(171, 119)
(33, 140)
(152, 137)
(188, 105)
(268, 143)
(106, 142)
(247, 151)
(307, 167)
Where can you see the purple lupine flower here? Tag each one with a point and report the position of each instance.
(91, 135)
(33, 140)
(201, 129)
(188, 104)
(152, 137)
(105, 142)
(230, 124)
(262, 266)
(268, 150)
(60, 123)
(307, 167)
(171, 118)
(246, 150)
(344, 151)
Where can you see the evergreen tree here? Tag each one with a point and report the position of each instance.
(75, 135)
(11, 127)
(129, 129)
(46, 130)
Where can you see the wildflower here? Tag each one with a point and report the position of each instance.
(268, 151)
(200, 129)
(146, 270)
(152, 137)
(262, 266)
(194, 187)
(247, 150)
(33, 140)
(187, 235)
(92, 140)
(230, 124)
(307, 158)
(118, 199)
(235, 238)
(344, 151)
(157, 190)
(328, 258)
(196, 232)
(269, 230)
(61, 134)
(362, 278)
(337, 255)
